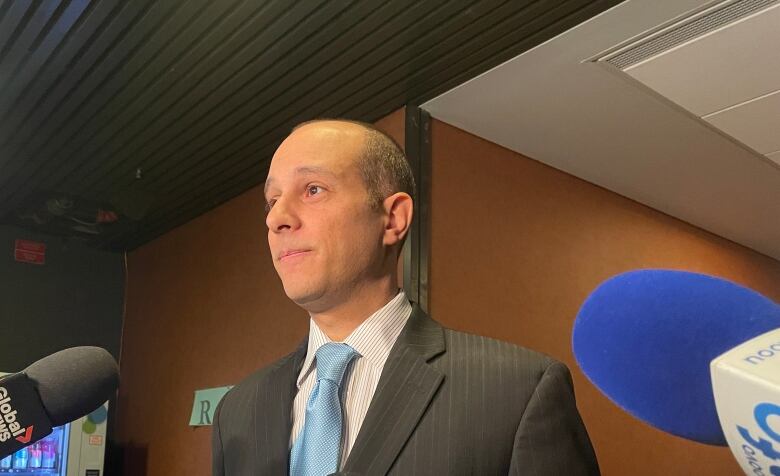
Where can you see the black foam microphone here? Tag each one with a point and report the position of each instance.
(53, 391)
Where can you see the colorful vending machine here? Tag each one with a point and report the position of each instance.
(75, 449)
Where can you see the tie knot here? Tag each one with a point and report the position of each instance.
(332, 361)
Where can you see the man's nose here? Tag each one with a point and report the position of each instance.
(282, 216)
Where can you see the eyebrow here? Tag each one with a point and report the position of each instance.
(303, 170)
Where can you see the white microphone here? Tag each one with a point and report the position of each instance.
(746, 385)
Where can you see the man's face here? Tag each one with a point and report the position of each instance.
(325, 240)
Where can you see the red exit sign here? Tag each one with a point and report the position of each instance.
(26, 251)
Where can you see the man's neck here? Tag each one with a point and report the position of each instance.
(339, 321)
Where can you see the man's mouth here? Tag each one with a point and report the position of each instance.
(287, 254)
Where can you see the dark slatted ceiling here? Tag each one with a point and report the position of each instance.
(161, 110)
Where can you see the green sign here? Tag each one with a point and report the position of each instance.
(206, 401)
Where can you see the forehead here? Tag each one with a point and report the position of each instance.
(326, 145)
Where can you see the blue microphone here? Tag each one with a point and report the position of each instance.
(652, 340)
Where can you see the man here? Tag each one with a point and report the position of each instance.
(378, 387)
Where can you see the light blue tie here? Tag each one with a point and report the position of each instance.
(317, 449)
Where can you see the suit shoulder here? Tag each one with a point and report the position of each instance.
(493, 353)
(246, 389)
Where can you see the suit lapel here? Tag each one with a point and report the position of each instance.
(405, 389)
(273, 423)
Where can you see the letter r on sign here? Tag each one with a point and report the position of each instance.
(205, 406)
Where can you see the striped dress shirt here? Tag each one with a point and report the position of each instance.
(373, 340)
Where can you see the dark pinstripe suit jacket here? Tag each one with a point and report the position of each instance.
(447, 403)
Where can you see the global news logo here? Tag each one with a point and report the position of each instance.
(9, 425)
(751, 447)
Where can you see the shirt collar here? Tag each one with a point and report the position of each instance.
(372, 339)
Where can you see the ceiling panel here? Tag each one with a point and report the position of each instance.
(559, 106)
(157, 111)
(729, 66)
(755, 123)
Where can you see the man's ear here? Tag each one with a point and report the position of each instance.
(399, 210)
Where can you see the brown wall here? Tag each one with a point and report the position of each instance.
(516, 247)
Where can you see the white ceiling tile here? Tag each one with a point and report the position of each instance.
(726, 67)
(755, 123)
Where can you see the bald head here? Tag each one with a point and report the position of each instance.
(380, 160)
(331, 133)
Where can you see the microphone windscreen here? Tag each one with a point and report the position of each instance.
(646, 339)
(74, 382)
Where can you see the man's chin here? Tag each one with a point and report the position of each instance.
(303, 297)
(311, 302)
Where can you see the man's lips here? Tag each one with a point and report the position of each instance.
(291, 254)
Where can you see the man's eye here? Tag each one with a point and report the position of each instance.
(313, 189)
(269, 205)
